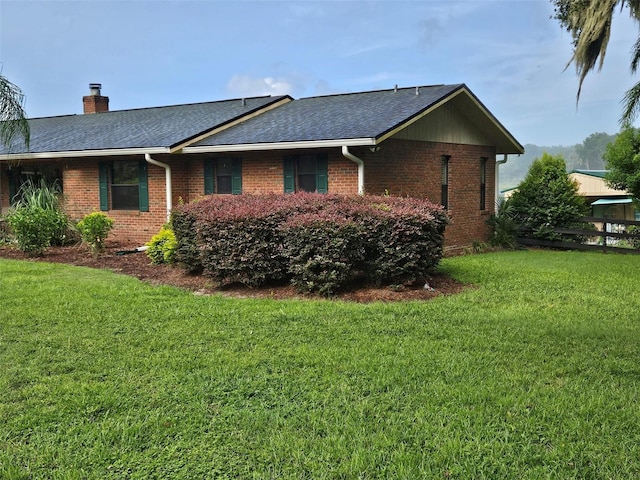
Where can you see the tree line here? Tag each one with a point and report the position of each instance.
(588, 155)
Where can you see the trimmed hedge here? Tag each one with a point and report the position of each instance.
(324, 251)
(317, 242)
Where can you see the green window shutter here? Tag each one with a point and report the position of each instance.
(208, 177)
(322, 173)
(104, 189)
(143, 186)
(236, 177)
(289, 173)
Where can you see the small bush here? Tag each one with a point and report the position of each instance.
(94, 229)
(162, 246)
(33, 228)
(504, 226)
(634, 241)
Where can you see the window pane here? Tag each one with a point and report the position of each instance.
(125, 173)
(306, 182)
(307, 164)
(224, 183)
(225, 166)
(445, 171)
(444, 176)
(125, 197)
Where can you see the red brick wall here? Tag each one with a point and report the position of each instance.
(413, 168)
(81, 196)
(400, 167)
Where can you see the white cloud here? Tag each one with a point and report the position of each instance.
(247, 86)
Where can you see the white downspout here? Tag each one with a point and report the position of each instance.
(358, 161)
(167, 171)
(497, 176)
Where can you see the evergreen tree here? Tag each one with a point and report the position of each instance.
(547, 198)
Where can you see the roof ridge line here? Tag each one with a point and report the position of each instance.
(393, 89)
(238, 99)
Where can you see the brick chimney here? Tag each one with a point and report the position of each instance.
(94, 102)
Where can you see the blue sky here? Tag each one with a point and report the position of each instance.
(510, 53)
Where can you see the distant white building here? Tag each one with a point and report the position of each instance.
(605, 202)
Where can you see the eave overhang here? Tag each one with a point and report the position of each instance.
(84, 153)
(350, 142)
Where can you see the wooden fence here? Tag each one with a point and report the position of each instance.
(606, 239)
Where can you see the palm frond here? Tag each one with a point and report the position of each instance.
(13, 122)
(634, 8)
(631, 105)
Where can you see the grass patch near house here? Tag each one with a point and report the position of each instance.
(534, 374)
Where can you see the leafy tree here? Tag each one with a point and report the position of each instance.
(589, 22)
(591, 151)
(13, 121)
(622, 158)
(547, 198)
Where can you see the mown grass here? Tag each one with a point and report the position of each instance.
(533, 374)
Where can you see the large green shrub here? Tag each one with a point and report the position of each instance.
(94, 229)
(547, 198)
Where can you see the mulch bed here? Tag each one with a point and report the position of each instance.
(138, 265)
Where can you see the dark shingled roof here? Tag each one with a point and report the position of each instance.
(139, 128)
(333, 117)
(365, 117)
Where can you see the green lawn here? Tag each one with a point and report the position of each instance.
(533, 374)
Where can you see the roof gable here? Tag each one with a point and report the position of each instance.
(365, 118)
(365, 115)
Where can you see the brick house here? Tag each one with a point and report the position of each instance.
(438, 142)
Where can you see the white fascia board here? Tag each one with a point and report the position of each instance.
(84, 153)
(246, 147)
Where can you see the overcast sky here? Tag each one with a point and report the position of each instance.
(510, 53)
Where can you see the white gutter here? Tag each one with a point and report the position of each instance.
(358, 161)
(497, 176)
(245, 147)
(167, 170)
(83, 153)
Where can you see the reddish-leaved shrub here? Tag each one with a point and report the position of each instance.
(319, 242)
